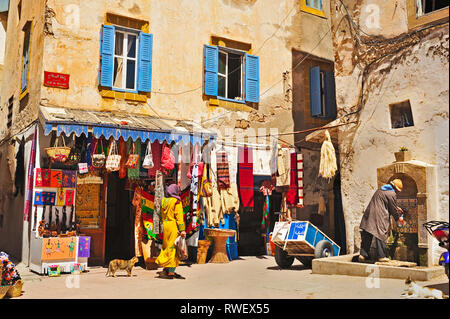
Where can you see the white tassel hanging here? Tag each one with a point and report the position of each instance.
(328, 166)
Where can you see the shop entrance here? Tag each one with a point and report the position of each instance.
(119, 221)
(251, 234)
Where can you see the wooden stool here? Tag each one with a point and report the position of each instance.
(220, 237)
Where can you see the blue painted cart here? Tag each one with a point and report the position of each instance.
(303, 241)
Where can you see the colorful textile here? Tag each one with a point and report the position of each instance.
(300, 179)
(223, 173)
(133, 173)
(123, 158)
(266, 211)
(69, 179)
(42, 177)
(84, 244)
(156, 153)
(139, 229)
(148, 205)
(245, 172)
(159, 195)
(267, 187)
(29, 189)
(292, 194)
(196, 179)
(172, 215)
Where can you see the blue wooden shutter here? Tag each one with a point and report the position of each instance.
(314, 91)
(210, 70)
(107, 56)
(145, 62)
(26, 60)
(330, 95)
(25, 65)
(251, 78)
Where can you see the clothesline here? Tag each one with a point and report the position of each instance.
(307, 130)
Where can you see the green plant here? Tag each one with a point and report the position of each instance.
(403, 149)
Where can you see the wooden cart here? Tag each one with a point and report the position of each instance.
(301, 240)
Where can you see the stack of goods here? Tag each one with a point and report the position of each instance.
(9, 276)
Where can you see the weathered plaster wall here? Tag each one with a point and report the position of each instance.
(413, 68)
(25, 111)
(180, 30)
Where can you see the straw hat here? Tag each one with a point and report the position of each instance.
(397, 183)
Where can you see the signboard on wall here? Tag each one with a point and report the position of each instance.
(56, 80)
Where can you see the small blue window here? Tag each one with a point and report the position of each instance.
(26, 57)
(230, 74)
(315, 4)
(126, 59)
(322, 93)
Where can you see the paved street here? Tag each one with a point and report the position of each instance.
(248, 277)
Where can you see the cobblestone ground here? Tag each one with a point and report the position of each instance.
(248, 278)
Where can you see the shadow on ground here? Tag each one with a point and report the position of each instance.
(442, 287)
(294, 267)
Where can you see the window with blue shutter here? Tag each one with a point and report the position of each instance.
(330, 95)
(145, 62)
(322, 93)
(315, 92)
(251, 78)
(210, 70)
(25, 58)
(125, 59)
(230, 74)
(107, 56)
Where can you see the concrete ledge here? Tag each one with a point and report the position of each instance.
(343, 265)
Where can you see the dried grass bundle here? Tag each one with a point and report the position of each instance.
(328, 166)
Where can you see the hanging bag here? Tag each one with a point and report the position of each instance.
(167, 159)
(98, 160)
(58, 154)
(113, 160)
(133, 158)
(181, 248)
(148, 159)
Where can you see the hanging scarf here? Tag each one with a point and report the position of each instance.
(223, 174)
(245, 173)
(292, 194)
(29, 191)
(300, 179)
(159, 195)
(266, 212)
(148, 206)
(123, 157)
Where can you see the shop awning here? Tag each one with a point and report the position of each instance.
(116, 124)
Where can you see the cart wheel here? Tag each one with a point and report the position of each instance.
(282, 258)
(305, 260)
(323, 249)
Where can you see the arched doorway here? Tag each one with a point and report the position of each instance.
(403, 242)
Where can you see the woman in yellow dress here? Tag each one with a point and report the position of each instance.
(173, 224)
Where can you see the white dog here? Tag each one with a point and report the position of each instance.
(413, 290)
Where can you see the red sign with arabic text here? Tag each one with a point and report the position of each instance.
(56, 80)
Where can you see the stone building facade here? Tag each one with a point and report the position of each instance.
(391, 68)
(68, 37)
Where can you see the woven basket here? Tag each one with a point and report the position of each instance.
(3, 291)
(202, 251)
(15, 290)
(58, 154)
